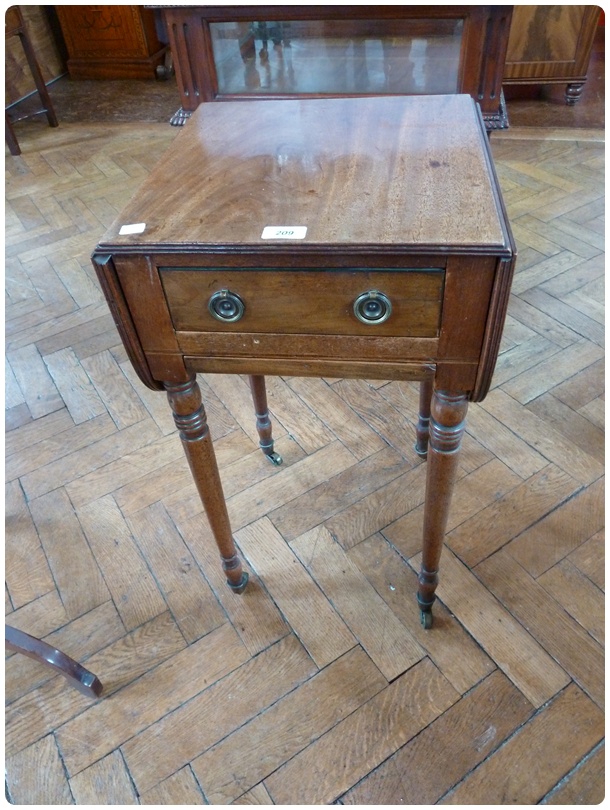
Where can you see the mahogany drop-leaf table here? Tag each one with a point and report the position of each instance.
(338, 237)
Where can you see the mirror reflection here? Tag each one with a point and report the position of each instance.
(337, 56)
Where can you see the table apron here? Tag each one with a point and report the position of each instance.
(352, 369)
(330, 347)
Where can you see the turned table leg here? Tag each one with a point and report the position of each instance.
(423, 421)
(190, 418)
(263, 421)
(447, 423)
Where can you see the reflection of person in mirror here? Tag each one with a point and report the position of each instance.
(278, 33)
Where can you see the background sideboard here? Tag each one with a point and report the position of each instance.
(551, 45)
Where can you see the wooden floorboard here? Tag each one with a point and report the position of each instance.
(318, 685)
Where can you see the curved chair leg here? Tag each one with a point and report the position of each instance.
(79, 677)
(263, 422)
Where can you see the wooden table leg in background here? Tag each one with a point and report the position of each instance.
(447, 424)
(191, 421)
(263, 421)
(422, 428)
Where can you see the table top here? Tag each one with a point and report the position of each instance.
(409, 173)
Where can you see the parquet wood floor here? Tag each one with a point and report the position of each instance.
(317, 685)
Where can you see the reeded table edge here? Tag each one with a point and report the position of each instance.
(501, 250)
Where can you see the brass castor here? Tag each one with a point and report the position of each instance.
(421, 450)
(241, 586)
(426, 619)
(166, 70)
(275, 458)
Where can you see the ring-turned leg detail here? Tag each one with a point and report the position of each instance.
(422, 429)
(191, 421)
(231, 565)
(447, 424)
(263, 421)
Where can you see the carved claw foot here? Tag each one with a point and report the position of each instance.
(180, 117)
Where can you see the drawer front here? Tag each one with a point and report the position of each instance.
(389, 302)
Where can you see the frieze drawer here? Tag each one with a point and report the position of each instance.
(400, 302)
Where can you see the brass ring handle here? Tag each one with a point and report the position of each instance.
(226, 306)
(372, 307)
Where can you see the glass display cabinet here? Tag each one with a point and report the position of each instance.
(232, 53)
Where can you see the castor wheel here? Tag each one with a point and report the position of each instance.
(426, 619)
(275, 458)
(241, 585)
(166, 70)
(421, 450)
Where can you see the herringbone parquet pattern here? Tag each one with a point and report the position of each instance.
(318, 685)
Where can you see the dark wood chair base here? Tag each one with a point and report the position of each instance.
(79, 677)
(15, 27)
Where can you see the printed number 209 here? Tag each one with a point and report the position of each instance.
(284, 232)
